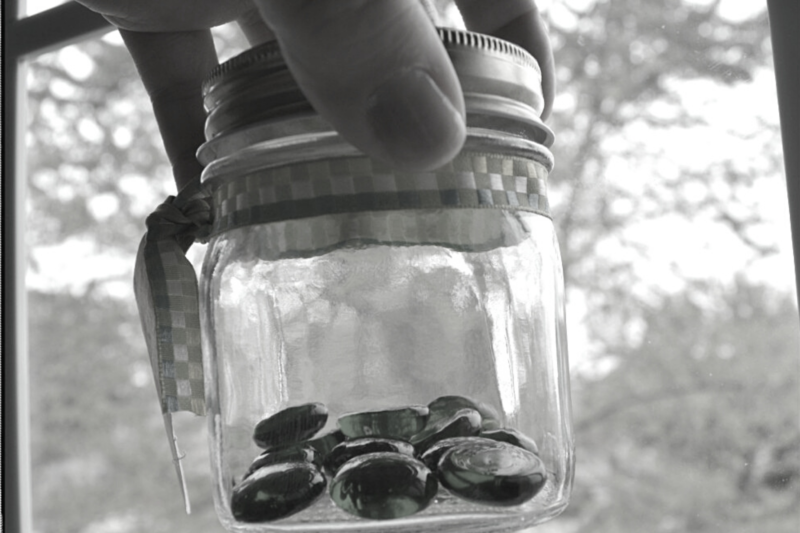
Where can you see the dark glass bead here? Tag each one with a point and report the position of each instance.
(432, 455)
(276, 491)
(512, 436)
(326, 442)
(291, 425)
(446, 406)
(463, 423)
(383, 485)
(400, 423)
(354, 448)
(493, 473)
(291, 454)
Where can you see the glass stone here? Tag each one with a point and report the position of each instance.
(326, 442)
(512, 436)
(354, 448)
(400, 423)
(291, 454)
(445, 406)
(494, 473)
(462, 423)
(383, 486)
(276, 491)
(291, 425)
(432, 455)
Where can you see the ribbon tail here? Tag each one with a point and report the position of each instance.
(176, 461)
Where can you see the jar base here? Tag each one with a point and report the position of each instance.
(447, 514)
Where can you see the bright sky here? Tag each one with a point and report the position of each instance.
(734, 10)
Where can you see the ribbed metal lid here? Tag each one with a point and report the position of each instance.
(502, 87)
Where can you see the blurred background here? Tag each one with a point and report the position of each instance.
(671, 207)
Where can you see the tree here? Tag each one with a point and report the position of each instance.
(623, 65)
(696, 427)
(99, 453)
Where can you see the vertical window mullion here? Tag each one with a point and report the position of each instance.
(16, 412)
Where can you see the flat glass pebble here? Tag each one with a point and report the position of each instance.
(446, 406)
(432, 455)
(291, 454)
(512, 436)
(400, 423)
(326, 442)
(276, 491)
(383, 486)
(494, 473)
(293, 424)
(354, 448)
(463, 423)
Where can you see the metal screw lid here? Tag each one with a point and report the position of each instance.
(502, 85)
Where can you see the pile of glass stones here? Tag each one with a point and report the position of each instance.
(387, 463)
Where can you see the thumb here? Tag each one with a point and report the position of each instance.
(378, 72)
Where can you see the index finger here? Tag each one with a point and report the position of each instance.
(378, 72)
(172, 67)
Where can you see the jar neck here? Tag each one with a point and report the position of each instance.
(308, 137)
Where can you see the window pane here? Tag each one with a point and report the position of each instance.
(672, 212)
(674, 226)
(96, 168)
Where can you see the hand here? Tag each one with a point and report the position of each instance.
(357, 61)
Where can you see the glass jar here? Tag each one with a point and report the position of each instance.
(346, 303)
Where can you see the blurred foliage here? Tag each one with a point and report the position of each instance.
(100, 457)
(90, 137)
(696, 427)
(96, 168)
(688, 420)
(624, 69)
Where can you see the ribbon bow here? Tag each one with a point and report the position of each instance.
(165, 285)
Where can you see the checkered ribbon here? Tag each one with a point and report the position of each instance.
(166, 294)
(165, 282)
(361, 184)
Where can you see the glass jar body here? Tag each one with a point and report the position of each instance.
(379, 309)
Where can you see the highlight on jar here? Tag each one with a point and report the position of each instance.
(386, 464)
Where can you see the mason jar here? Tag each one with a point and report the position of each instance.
(383, 350)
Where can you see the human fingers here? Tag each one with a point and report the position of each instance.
(519, 22)
(172, 67)
(168, 15)
(254, 28)
(378, 72)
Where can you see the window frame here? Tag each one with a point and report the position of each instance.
(25, 38)
(66, 24)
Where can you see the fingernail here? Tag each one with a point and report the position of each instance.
(417, 126)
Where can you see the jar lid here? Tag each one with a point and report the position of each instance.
(502, 85)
